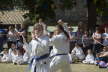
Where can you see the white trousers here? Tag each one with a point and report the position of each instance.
(61, 63)
(89, 61)
(40, 66)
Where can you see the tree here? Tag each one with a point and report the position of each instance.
(45, 8)
(68, 4)
(91, 15)
(95, 8)
(6, 4)
(39, 9)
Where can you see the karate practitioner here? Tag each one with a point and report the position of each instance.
(59, 54)
(38, 50)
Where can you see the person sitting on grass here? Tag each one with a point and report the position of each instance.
(15, 54)
(5, 58)
(89, 58)
(77, 52)
(103, 64)
(17, 58)
(103, 56)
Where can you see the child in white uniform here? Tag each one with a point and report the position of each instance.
(78, 52)
(59, 54)
(6, 57)
(89, 58)
(15, 54)
(17, 58)
(38, 50)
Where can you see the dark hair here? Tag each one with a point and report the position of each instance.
(77, 44)
(13, 43)
(61, 28)
(97, 28)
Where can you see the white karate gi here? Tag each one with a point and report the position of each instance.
(60, 46)
(37, 48)
(16, 58)
(5, 58)
(26, 57)
(78, 52)
(89, 59)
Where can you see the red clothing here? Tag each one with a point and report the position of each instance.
(102, 27)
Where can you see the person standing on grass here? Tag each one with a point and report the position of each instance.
(59, 54)
(38, 50)
(65, 26)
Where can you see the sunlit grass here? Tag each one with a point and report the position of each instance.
(75, 68)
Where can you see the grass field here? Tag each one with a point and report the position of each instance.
(75, 68)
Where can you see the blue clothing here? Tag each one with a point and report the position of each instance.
(2, 38)
(105, 59)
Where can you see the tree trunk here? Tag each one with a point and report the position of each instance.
(91, 15)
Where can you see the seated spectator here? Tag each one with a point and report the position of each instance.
(77, 52)
(97, 37)
(89, 58)
(103, 64)
(12, 48)
(86, 41)
(17, 58)
(16, 55)
(6, 57)
(12, 36)
(103, 56)
(22, 31)
(78, 35)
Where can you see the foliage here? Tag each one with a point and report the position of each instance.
(68, 4)
(44, 8)
(39, 9)
(6, 4)
(100, 6)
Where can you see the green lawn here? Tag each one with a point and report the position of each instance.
(75, 68)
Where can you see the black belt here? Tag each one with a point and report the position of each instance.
(58, 55)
